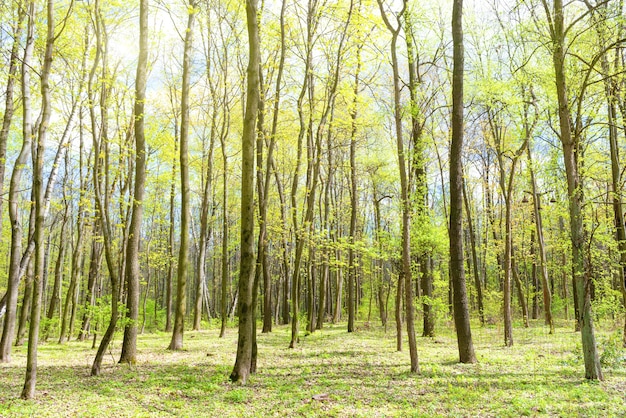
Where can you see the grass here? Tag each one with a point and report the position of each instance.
(358, 374)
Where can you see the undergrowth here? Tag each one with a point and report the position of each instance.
(330, 373)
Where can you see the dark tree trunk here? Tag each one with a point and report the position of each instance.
(129, 344)
(457, 272)
(570, 144)
(245, 344)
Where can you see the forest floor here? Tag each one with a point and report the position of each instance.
(331, 373)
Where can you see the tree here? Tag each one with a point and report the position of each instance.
(247, 327)
(570, 144)
(406, 272)
(14, 192)
(183, 254)
(28, 391)
(129, 345)
(9, 104)
(457, 270)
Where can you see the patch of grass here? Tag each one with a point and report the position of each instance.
(353, 374)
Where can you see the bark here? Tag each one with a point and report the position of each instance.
(543, 259)
(398, 311)
(247, 328)
(169, 282)
(129, 344)
(457, 272)
(95, 264)
(404, 188)
(24, 316)
(101, 181)
(570, 143)
(206, 231)
(353, 191)
(55, 299)
(612, 92)
(14, 192)
(225, 286)
(417, 176)
(267, 296)
(176, 342)
(472, 236)
(28, 392)
(9, 105)
(304, 130)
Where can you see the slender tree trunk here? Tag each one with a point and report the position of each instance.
(543, 259)
(55, 299)
(247, 328)
(404, 188)
(520, 291)
(299, 239)
(398, 312)
(28, 391)
(95, 264)
(612, 92)
(101, 186)
(183, 254)
(129, 344)
(206, 232)
(477, 282)
(169, 281)
(570, 144)
(9, 105)
(353, 193)
(225, 286)
(14, 192)
(457, 272)
(24, 316)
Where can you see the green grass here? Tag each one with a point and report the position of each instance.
(362, 374)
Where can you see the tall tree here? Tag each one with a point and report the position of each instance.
(9, 104)
(14, 192)
(405, 202)
(263, 183)
(247, 327)
(183, 254)
(457, 270)
(129, 344)
(28, 391)
(571, 144)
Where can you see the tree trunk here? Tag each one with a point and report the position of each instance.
(353, 192)
(183, 254)
(263, 182)
(129, 344)
(169, 281)
(9, 104)
(24, 316)
(404, 188)
(28, 391)
(206, 232)
(242, 367)
(398, 311)
(543, 259)
(570, 144)
(14, 192)
(477, 282)
(457, 272)
(520, 291)
(225, 287)
(55, 299)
